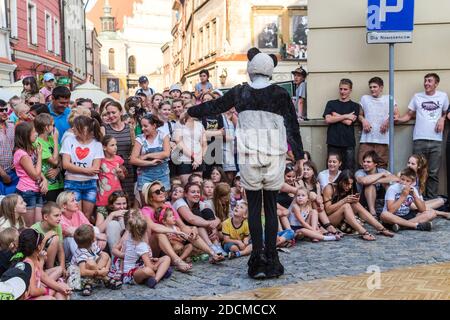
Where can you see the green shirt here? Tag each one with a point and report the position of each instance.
(47, 153)
(58, 230)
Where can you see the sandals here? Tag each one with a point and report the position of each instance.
(112, 284)
(87, 290)
(385, 232)
(367, 236)
(182, 266)
(337, 232)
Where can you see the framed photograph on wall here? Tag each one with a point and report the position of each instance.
(267, 31)
(113, 85)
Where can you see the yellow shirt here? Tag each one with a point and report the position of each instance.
(235, 233)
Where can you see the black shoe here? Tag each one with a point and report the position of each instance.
(424, 226)
(274, 267)
(257, 265)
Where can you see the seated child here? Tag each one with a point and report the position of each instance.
(139, 265)
(236, 233)
(93, 263)
(397, 208)
(181, 246)
(51, 228)
(304, 220)
(9, 242)
(176, 193)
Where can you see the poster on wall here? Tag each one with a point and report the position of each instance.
(113, 85)
(267, 30)
(297, 49)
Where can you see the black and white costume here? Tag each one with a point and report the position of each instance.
(267, 122)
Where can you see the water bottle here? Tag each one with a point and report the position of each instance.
(74, 280)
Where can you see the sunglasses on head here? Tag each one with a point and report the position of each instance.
(160, 191)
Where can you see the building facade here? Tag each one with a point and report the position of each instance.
(35, 37)
(93, 54)
(7, 66)
(75, 37)
(131, 45)
(216, 34)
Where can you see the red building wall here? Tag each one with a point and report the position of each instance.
(35, 60)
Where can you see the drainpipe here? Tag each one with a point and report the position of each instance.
(62, 4)
(85, 42)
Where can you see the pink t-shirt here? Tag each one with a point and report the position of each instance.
(149, 212)
(25, 181)
(108, 181)
(78, 219)
(47, 93)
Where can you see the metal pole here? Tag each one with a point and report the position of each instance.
(391, 108)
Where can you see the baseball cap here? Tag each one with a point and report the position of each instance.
(143, 79)
(49, 76)
(300, 71)
(15, 281)
(175, 87)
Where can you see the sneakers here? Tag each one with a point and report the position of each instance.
(274, 267)
(395, 228)
(257, 265)
(232, 255)
(218, 250)
(424, 226)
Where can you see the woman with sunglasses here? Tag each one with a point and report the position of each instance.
(31, 89)
(150, 154)
(156, 199)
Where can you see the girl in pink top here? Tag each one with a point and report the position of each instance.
(28, 163)
(111, 172)
(43, 285)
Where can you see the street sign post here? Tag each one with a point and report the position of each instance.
(390, 21)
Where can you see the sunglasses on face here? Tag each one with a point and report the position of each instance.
(3, 109)
(31, 103)
(160, 191)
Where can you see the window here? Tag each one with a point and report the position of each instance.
(48, 32)
(194, 48)
(111, 59)
(132, 65)
(57, 37)
(205, 41)
(11, 17)
(208, 39)
(277, 30)
(214, 36)
(32, 24)
(200, 44)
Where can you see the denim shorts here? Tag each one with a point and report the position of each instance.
(157, 173)
(31, 198)
(227, 246)
(83, 190)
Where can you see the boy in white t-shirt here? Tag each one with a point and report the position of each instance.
(430, 109)
(374, 117)
(398, 201)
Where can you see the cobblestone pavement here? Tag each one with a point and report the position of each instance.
(306, 261)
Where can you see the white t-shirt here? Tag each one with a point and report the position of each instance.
(324, 178)
(191, 138)
(361, 174)
(376, 111)
(166, 130)
(393, 194)
(182, 203)
(428, 111)
(133, 251)
(81, 155)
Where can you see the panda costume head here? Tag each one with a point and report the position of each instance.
(260, 67)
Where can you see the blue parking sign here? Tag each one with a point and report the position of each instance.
(390, 15)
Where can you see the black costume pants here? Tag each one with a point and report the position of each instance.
(255, 201)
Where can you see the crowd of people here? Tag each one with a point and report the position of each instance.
(118, 194)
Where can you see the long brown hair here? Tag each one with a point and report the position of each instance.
(314, 169)
(221, 190)
(104, 103)
(8, 208)
(22, 137)
(82, 122)
(422, 171)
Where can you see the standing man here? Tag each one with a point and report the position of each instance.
(8, 177)
(430, 109)
(374, 117)
(59, 109)
(144, 87)
(300, 92)
(340, 115)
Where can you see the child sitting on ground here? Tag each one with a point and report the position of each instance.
(139, 265)
(9, 242)
(236, 233)
(93, 263)
(177, 192)
(180, 245)
(304, 219)
(398, 201)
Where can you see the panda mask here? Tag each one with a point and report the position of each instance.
(260, 68)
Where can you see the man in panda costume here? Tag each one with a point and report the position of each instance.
(267, 122)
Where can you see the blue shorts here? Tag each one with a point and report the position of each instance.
(288, 234)
(83, 190)
(31, 198)
(227, 246)
(6, 189)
